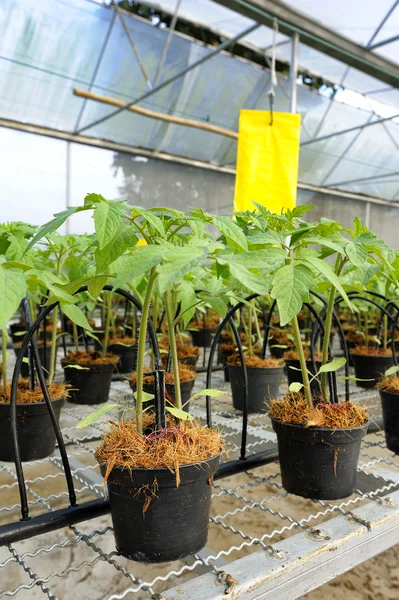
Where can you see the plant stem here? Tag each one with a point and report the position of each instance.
(173, 348)
(75, 336)
(302, 361)
(258, 333)
(141, 351)
(339, 263)
(4, 358)
(53, 346)
(53, 351)
(250, 351)
(107, 323)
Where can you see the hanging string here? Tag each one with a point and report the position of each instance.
(273, 76)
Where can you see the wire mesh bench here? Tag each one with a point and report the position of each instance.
(262, 541)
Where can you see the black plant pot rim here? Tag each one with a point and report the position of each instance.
(388, 393)
(122, 345)
(134, 384)
(319, 429)
(44, 403)
(249, 369)
(165, 469)
(372, 356)
(88, 366)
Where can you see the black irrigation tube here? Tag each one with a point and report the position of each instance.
(391, 319)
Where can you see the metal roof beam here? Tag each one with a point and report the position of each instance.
(316, 36)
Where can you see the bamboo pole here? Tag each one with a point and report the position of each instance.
(152, 114)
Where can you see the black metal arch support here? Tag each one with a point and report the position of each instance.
(341, 334)
(393, 321)
(29, 342)
(229, 319)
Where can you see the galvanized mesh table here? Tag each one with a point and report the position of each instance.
(262, 541)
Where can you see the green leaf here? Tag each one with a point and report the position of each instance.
(179, 414)
(12, 264)
(291, 285)
(96, 285)
(186, 295)
(154, 221)
(77, 367)
(107, 218)
(343, 378)
(139, 262)
(178, 263)
(253, 282)
(391, 370)
(295, 386)
(356, 253)
(234, 235)
(326, 269)
(337, 246)
(299, 211)
(94, 416)
(76, 315)
(145, 397)
(263, 238)
(124, 239)
(12, 290)
(17, 246)
(334, 365)
(259, 259)
(53, 225)
(209, 392)
(218, 305)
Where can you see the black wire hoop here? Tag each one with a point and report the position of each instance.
(29, 344)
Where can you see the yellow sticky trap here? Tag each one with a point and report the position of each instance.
(267, 160)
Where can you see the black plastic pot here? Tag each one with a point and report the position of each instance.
(276, 351)
(88, 386)
(296, 376)
(154, 521)
(127, 357)
(370, 367)
(36, 435)
(44, 359)
(263, 384)
(202, 337)
(390, 415)
(317, 462)
(16, 328)
(223, 356)
(185, 392)
(189, 361)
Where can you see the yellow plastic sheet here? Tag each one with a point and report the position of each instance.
(267, 160)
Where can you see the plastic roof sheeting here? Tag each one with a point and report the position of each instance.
(50, 47)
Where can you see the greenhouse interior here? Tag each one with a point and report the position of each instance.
(199, 284)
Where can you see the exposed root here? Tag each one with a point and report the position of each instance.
(179, 444)
(370, 351)
(389, 384)
(90, 358)
(185, 374)
(294, 409)
(27, 396)
(255, 362)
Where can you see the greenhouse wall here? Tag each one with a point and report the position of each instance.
(40, 176)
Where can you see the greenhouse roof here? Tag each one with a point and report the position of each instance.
(349, 142)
